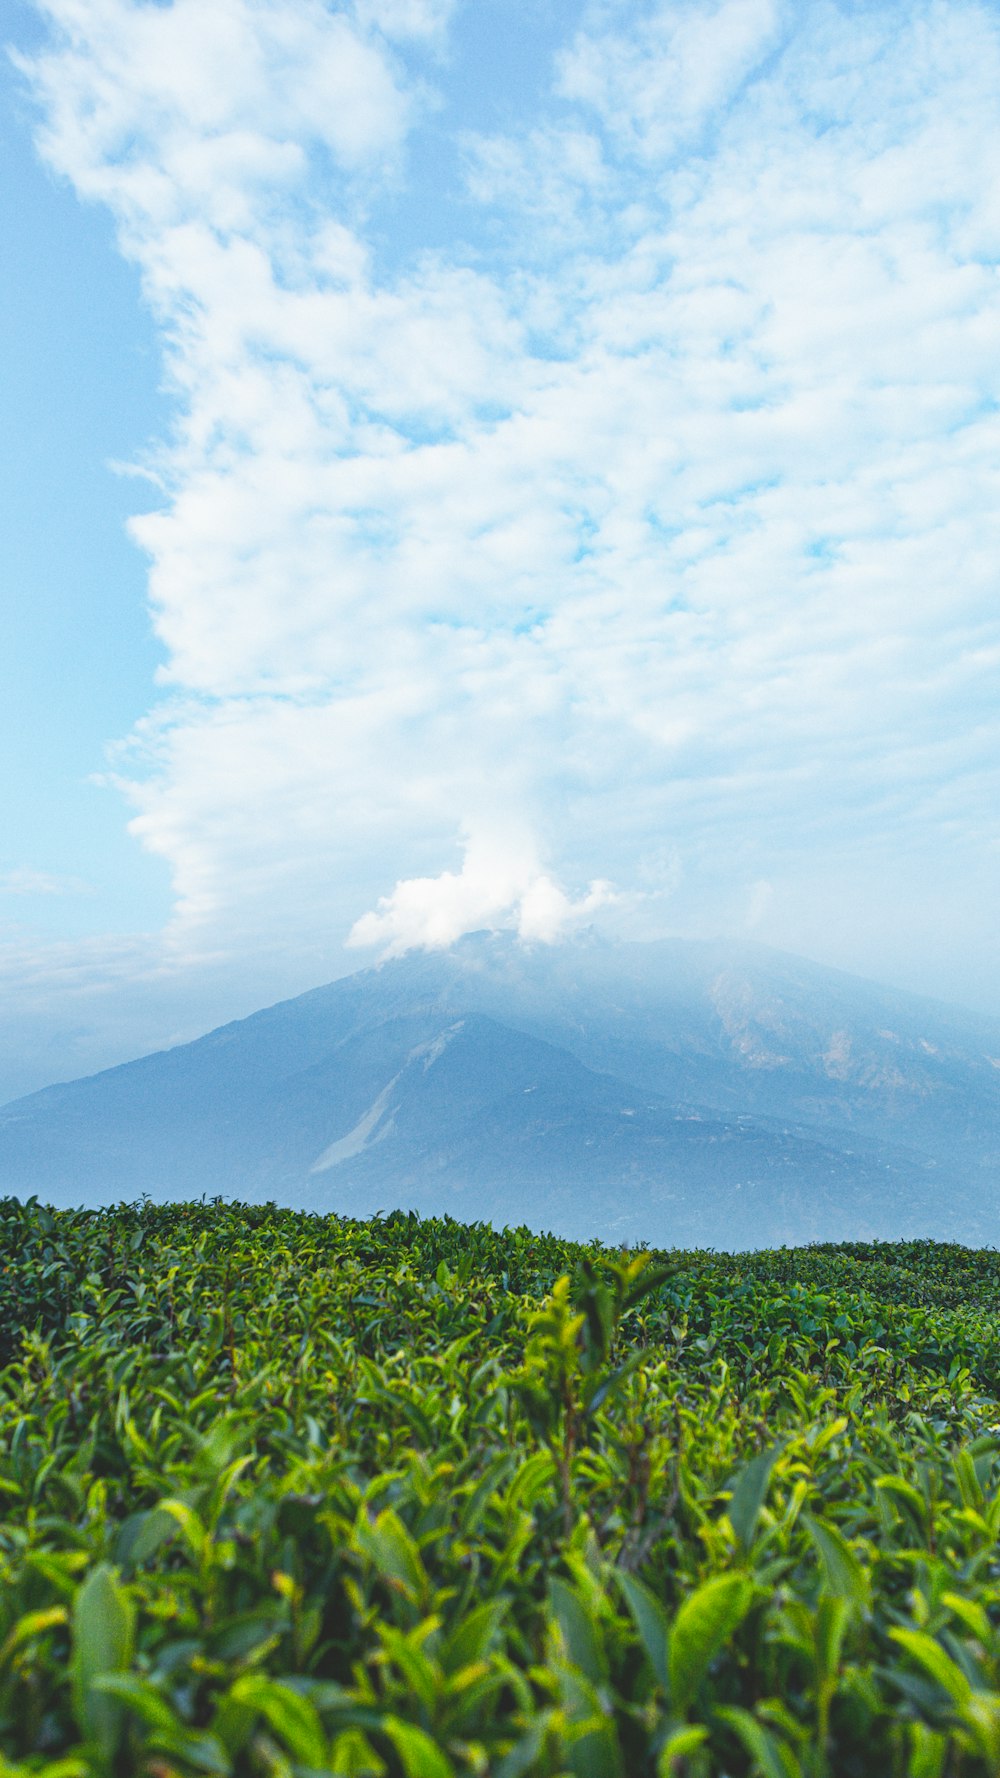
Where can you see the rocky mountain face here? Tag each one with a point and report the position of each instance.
(670, 1093)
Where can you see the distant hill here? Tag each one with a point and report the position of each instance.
(673, 1093)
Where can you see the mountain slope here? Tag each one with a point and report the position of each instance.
(669, 1093)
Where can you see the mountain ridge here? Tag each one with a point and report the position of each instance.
(681, 1092)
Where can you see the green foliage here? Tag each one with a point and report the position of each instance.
(284, 1496)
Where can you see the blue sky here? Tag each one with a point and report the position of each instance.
(478, 463)
(80, 372)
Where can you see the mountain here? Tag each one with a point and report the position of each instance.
(672, 1093)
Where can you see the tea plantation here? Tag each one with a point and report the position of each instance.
(293, 1496)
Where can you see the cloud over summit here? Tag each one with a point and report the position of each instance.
(501, 886)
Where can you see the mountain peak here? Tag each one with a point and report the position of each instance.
(685, 1093)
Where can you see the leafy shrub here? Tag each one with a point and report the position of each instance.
(289, 1495)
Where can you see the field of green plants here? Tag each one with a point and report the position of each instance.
(292, 1496)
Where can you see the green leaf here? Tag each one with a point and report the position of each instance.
(593, 1750)
(929, 1655)
(421, 1757)
(487, 1489)
(35, 1623)
(842, 1572)
(522, 1756)
(900, 1489)
(612, 1380)
(390, 1548)
(142, 1535)
(103, 1636)
(473, 1636)
(749, 1495)
(972, 1614)
(293, 1718)
(771, 1757)
(142, 1698)
(353, 1756)
(681, 1743)
(187, 1519)
(704, 1623)
(579, 1631)
(531, 1480)
(644, 1277)
(202, 1751)
(592, 1746)
(831, 1620)
(928, 1752)
(651, 1623)
(60, 1768)
(421, 1675)
(969, 1485)
(233, 1723)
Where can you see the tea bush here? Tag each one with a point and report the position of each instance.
(288, 1496)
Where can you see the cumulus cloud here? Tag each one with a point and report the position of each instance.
(501, 885)
(208, 113)
(644, 506)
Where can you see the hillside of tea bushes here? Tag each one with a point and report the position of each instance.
(292, 1496)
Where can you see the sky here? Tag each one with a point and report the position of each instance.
(528, 464)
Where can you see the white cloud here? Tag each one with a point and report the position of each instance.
(195, 110)
(501, 885)
(407, 18)
(663, 515)
(656, 77)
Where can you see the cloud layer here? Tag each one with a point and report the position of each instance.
(642, 533)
